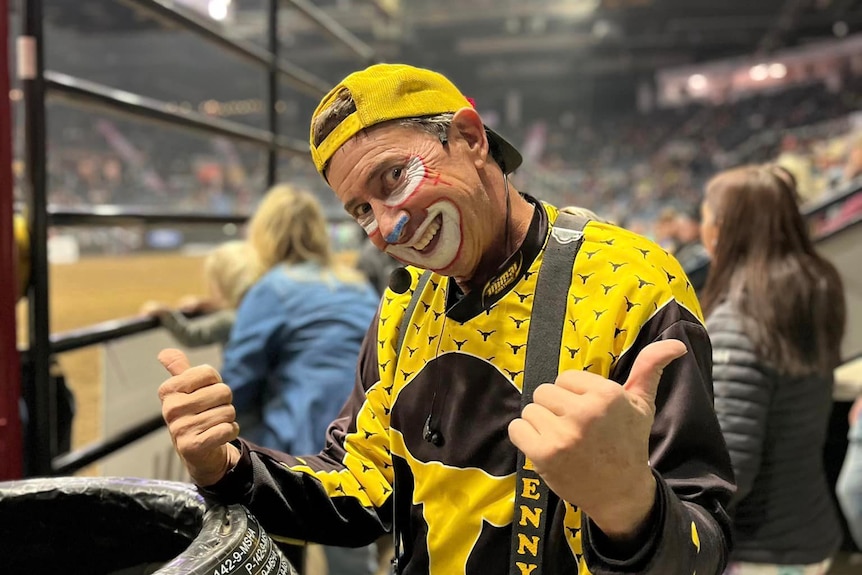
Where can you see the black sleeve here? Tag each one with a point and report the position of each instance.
(690, 528)
(341, 496)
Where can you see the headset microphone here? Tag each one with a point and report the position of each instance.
(432, 436)
(400, 280)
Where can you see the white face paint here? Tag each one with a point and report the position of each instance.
(414, 173)
(436, 243)
(368, 223)
(411, 179)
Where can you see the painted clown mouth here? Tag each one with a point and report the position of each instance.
(424, 242)
(436, 243)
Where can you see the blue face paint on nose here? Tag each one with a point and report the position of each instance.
(393, 236)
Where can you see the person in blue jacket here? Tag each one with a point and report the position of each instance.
(291, 356)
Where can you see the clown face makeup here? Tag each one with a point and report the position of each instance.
(406, 181)
(421, 247)
(436, 243)
(412, 196)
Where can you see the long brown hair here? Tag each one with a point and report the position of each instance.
(766, 265)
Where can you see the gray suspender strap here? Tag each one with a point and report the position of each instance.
(402, 331)
(408, 311)
(542, 361)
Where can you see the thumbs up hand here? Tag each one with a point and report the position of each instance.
(201, 419)
(588, 437)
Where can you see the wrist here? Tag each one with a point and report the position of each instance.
(626, 519)
(209, 478)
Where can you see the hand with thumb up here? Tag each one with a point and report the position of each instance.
(588, 437)
(201, 419)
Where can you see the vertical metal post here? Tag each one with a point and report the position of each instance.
(11, 463)
(41, 399)
(272, 89)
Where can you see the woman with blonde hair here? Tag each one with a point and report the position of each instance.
(293, 349)
(775, 314)
(292, 354)
(229, 271)
(289, 228)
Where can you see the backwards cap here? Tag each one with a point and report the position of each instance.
(384, 92)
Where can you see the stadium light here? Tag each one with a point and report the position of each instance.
(697, 82)
(840, 29)
(777, 70)
(218, 9)
(759, 73)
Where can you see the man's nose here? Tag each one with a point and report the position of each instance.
(393, 225)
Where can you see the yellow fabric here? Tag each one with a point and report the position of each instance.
(621, 281)
(385, 92)
(22, 247)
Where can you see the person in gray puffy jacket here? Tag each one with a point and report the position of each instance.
(775, 314)
(849, 485)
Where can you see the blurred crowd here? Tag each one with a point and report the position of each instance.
(632, 169)
(628, 168)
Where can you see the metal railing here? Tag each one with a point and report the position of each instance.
(173, 15)
(833, 199)
(112, 330)
(38, 85)
(101, 333)
(107, 215)
(84, 92)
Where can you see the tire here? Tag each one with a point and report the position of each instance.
(231, 542)
(126, 526)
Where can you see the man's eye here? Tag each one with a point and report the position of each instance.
(393, 176)
(362, 210)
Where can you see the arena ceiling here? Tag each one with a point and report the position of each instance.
(550, 53)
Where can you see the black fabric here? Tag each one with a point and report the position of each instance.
(462, 308)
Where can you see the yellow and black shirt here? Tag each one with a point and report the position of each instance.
(460, 371)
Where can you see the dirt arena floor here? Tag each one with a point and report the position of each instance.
(103, 288)
(98, 289)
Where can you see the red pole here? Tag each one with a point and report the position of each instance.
(10, 369)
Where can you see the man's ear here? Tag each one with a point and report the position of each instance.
(468, 124)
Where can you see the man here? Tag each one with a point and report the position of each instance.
(690, 252)
(665, 229)
(625, 438)
(797, 161)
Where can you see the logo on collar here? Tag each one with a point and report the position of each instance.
(505, 279)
